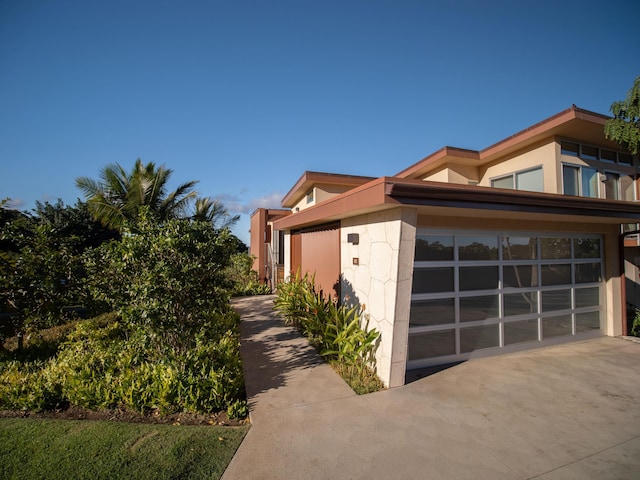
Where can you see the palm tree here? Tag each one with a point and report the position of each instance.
(117, 197)
(213, 211)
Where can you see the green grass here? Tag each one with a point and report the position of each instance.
(64, 449)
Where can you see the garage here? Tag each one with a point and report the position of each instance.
(478, 293)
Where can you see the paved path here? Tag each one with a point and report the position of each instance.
(563, 412)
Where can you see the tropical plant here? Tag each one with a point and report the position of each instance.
(214, 212)
(336, 330)
(117, 197)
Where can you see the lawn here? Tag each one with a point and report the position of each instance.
(83, 449)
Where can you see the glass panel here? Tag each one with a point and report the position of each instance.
(520, 303)
(475, 338)
(556, 274)
(531, 180)
(569, 148)
(519, 248)
(434, 247)
(556, 326)
(608, 155)
(518, 332)
(625, 159)
(627, 188)
(586, 247)
(587, 321)
(432, 280)
(432, 312)
(519, 276)
(570, 184)
(555, 247)
(588, 272)
(589, 153)
(587, 297)
(611, 186)
(556, 300)
(433, 344)
(477, 248)
(504, 182)
(590, 182)
(479, 308)
(479, 278)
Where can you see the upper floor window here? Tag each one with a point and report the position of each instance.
(590, 152)
(530, 180)
(310, 196)
(584, 181)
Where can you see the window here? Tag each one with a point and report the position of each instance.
(580, 181)
(590, 152)
(530, 180)
(569, 148)
(310, 196)
(483, 291)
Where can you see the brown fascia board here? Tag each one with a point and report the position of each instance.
(573, 122)
(438, 158)
(417, 193)
(308, 179)
(391, 192)
(367, 197)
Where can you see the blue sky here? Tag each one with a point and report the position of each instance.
(244, 96)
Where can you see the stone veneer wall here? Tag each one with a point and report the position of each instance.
(381, 281)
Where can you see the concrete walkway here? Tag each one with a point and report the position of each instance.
(564, 412)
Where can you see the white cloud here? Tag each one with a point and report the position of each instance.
(237, 205)
(15, 204)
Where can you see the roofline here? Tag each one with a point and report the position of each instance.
(324, 177)
(571, 113)
(392, 192)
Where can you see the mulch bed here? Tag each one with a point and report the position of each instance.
(118, 415)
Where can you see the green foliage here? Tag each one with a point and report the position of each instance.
(105, 364)
(244, 280)
(63, 449)
(169, 278)
(634, 329)
(336, 330)
(118, 197)
(238, 409)
(41, 269)
(624, 127)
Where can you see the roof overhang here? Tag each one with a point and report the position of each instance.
(441, 199)
(309, 179)
(573, 123)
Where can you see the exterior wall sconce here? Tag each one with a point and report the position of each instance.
(353, 238)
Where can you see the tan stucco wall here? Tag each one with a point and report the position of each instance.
(460, 174)
(381, 282)
(542, 155)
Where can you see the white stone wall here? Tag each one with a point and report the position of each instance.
(381, 281)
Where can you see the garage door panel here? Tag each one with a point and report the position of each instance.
(489, 292)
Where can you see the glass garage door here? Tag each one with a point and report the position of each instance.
(483, 293)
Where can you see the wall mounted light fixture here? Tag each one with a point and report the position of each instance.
(353, 238)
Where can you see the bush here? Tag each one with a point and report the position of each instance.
(244, 280)
(167, 278)
(337, 331)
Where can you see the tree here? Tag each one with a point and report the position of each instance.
(116, 199)
(170, 278)
(624, 127)
(214, 212)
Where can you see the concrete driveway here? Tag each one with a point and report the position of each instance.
(564, 412)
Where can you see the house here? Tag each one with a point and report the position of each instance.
(471, 253)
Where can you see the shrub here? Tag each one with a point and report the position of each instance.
(336, 330)
(167, 278)
(244, 280)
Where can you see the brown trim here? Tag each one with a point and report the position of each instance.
(463, 196)
(308, 179)
(390, 192)
(561, 124)
(318, 228)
